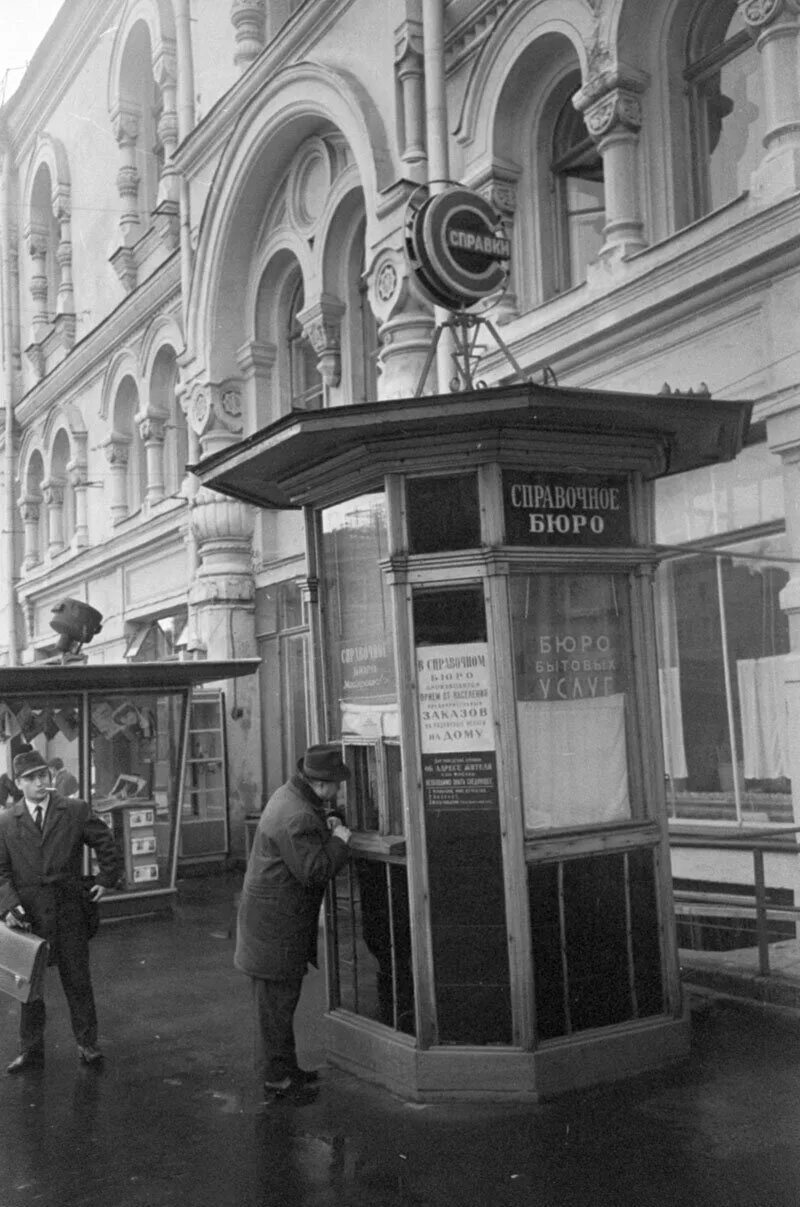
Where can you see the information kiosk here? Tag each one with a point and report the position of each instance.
(480, 576)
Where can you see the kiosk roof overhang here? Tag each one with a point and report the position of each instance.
(119, 676)
(690, 430)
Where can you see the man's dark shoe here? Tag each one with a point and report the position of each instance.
(89, 1054)
(289, 1090)
(32, 1059)
(304, 1076)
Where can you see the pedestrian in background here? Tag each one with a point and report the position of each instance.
(42, 889)
(295, 853)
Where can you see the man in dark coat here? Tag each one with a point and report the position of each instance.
(296, 850)
(41, 889)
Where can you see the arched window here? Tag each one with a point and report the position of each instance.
(125, 426)
(578, 192)
(305, 383)
(59, 474)
(726, 110)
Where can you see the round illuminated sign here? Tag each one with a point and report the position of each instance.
(457, 248)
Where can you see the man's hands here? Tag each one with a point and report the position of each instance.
(17, 919)
(96, 892)
(337, 828)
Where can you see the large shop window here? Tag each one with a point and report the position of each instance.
(723, 637)
(572, 658)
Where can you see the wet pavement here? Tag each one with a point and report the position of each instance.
(174, 1116)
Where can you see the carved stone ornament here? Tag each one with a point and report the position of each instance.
(387, 281)
(153, 429)
(619, 109)
(322, 326)
(117, 451)
(29, 511)
(53, 493)
(759, 13)
(215, 407)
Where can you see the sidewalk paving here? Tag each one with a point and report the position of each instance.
(174, 1117)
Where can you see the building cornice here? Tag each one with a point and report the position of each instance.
(89, 358)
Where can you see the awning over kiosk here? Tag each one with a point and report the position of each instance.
(120, 676)
(666, 434)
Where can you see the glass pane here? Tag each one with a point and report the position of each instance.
(572, 656)
(721, 498)
(443, 514)
(362, 788)
(586, 218)
(595, 942)
(462, 819)
(733, 109)
(372, 943)
(704, 772)
(52, 727)
(358, 617)
(135, 746)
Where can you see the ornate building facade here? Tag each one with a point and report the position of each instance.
(203, 214)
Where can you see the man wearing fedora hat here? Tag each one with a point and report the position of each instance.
(42, 889)
(297, 849)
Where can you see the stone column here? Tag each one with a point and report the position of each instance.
(117, 449)
(125, 121)
(167, 212)
(29, 511)
(612, 111)
(775, 27)
(80, 487)
(153, 432)
(249, 19)
(499, 186)
(53, 493)
(38, 239)
(257, 361)
(410, 74)
(322, 326)
(406, 327)
(65, 300)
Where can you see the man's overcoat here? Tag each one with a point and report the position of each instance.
(42, 872)
(292, 859)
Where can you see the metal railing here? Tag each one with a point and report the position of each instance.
(758, 842)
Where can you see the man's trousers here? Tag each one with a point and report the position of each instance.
(72, 961)
(274, 1004)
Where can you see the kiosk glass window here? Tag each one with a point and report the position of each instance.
(52, 727)
(572, 650)
(443, 513)
(135, 768)
(358, 619)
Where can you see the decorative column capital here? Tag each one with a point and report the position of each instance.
(214, 412)
(165, 64)
(256, 358)
(77, 475)
(153, 429)
(408, 49)
(617, 110)
(53, 492)
(125, 122)
(759, 14)
(117, 450)
(29, 509)
(322, 325)
(62, 203)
